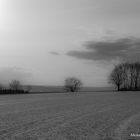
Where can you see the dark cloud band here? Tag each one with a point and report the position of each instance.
(124, 48)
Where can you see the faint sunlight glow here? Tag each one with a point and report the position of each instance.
(3, 13)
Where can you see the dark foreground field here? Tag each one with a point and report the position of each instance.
(83, 116)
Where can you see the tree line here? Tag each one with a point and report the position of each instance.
(14, 87)
(126, 76)
(72, 84)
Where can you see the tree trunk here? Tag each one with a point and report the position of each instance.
(118, 87)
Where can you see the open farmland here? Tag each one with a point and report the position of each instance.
(63, 116)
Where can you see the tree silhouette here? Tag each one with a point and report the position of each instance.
(126, 76)
(72, 84)
(15, 85)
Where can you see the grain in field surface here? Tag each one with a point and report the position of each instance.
(83, 116)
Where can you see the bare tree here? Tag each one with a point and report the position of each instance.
(15, 85)
(132, 75)
(72, 84)
(117, 76)
(126, 76)
(136, 75)
(125, 80)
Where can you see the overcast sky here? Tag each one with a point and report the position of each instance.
(45, 41)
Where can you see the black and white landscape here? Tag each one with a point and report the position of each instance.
(69, 70)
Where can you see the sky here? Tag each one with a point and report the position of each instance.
(45, 41)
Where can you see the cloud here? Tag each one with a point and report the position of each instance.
(127, 49)
(54, 53)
